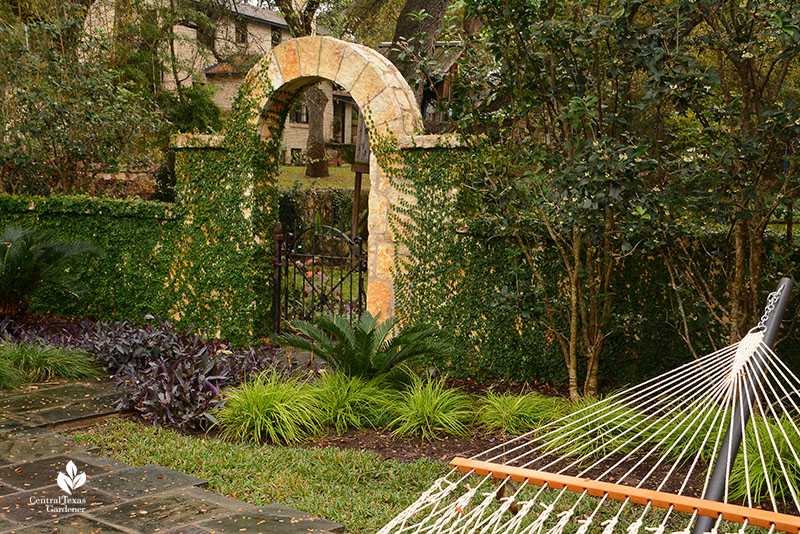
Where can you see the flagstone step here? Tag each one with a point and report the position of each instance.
(57, 404)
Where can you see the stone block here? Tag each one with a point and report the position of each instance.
(286, 56)
(24, 401)
(91, 457)
(274, 74)
(384, 109)
(404, 98)
(140, 481)
(272, 519)
(9, 425)
(384, 266)
(380, 298)
(308, 49)
(44, 472)
(30, 507)
(331, 58)
(24, 449)
(378, 219)
(163, 511)
(76, 524)
(376, 57)
(368, 86)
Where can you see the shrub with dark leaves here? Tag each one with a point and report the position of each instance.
(171, 377)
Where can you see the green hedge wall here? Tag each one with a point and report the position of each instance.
(136, 240)
(204, 261)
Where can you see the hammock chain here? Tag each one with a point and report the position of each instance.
(772, 300)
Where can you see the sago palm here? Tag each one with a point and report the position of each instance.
(30, 258)
(365, 350)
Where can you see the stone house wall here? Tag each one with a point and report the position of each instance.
(195, 60)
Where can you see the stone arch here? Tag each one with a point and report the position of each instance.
(387, 102)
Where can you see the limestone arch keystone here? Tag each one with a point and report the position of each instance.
(381, 93)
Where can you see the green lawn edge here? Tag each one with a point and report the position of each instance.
(358, 489)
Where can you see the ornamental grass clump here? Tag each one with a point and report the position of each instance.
(24, 362)
(517, 414)
(595, 427)
(764, 469)
(273, 408)
(353, 402)
(10, 375)
(682, 438)
(429, 408)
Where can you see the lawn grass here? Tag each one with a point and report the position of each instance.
(356, 488)
(340, 177)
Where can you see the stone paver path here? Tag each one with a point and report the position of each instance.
(113, 497)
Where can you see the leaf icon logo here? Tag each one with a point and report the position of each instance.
(71, 480)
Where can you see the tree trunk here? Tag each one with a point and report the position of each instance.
(740, 294)
(422, 34)
(574, 323)
(316, 158)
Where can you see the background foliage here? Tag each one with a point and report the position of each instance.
(620, 138)
(469, 278)
(69, 114)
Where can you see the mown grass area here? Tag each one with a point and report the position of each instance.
(340, 177)
(358, 489)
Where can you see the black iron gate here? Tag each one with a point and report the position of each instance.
(318, 269)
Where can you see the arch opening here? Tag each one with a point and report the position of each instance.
(379, 90)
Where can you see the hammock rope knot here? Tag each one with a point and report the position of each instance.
(610, 525)
(634, 527)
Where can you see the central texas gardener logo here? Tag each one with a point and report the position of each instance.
(71, 480)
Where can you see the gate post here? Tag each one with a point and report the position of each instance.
(277, 236)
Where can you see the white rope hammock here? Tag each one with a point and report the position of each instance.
(639, 461)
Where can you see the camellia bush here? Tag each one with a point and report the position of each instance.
(603, 134)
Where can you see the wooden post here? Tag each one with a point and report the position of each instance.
(356, 203)
(360, 166)
(277, 236)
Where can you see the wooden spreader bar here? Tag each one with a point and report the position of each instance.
(680, 503)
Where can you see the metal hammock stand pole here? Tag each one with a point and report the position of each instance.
(733, 438)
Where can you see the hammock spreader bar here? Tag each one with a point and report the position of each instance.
(619, 492)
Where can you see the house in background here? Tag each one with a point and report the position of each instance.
(222, 55)
(438, 94)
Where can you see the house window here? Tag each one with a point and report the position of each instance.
(276, 36)
(241, 31)
(299, 114)
(206, 36)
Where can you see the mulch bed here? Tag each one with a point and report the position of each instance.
(409, 450)
(445, 449)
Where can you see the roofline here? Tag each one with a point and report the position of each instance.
(262, 21)
(234, 12)
(438, 43)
